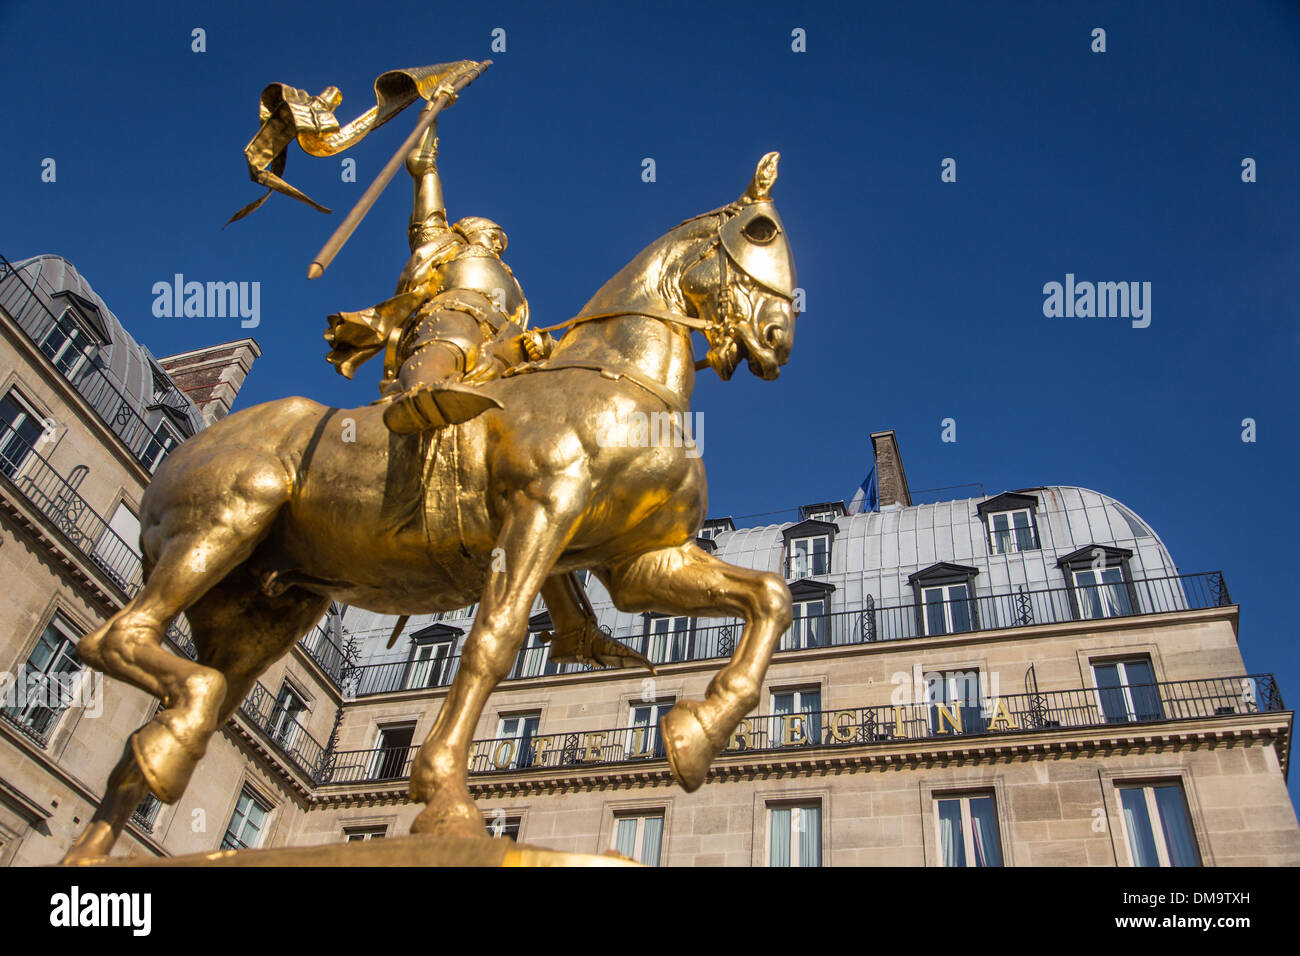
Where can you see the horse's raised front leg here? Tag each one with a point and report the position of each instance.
(689, 580)
(534, 533)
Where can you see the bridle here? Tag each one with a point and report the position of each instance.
(710, 328)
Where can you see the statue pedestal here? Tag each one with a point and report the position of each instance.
(413, 850)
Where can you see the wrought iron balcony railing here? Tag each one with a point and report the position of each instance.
(90, 381)
(282, 727)
(28, 472)
(1022, 608)
(320, 647)
(1079, 709)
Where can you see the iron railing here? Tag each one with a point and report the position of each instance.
(145, 816)
(320, 647)
(30, 473)
(284, 731)
(88, 379)
(1021, 608)
(1013, 714)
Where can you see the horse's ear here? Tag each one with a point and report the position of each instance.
(760, 187)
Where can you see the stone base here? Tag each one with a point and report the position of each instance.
(414, 850)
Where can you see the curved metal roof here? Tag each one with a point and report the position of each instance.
(873, 554)
(127, 363)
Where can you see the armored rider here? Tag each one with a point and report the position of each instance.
(459, 314)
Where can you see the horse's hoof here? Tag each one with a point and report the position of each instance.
(165, 758)
(94, 844)
(687, 745)
(449, 815)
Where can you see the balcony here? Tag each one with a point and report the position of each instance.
(870, 625)
(1047, 711)
(90, 381)
(290, 738)
(31, 476)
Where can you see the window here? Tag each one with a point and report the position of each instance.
(1011, 531)
(20, 433)
(643, 737)
(954, 699)
(796, 717)
(808, 547)
(968, 830)
(1010, 523)
(668, 639)
(1101, 593)
(1100, 582)
(640, 837)
(393, 749)
(364, 834)
(49, 683)
(794, 835)
(501, 826)
(1158, 826)
(512, 749)
(808, 628)
(535, 657)
(1126, 690)
(163, 440)
(430, 664)
(947, 609)
(248, 823)
(285, 726)
(809, 556)
(67, 344)
(945, 599)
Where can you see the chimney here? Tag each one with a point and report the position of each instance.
(211, 377)
(891, 480)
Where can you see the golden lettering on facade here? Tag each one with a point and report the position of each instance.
(510, 754)
(839, 732)
(947, 715)
(791, 721)
(595, 744)
(1002, 715)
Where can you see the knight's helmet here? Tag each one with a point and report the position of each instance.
(754, 237)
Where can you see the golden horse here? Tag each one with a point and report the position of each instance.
(254, 525)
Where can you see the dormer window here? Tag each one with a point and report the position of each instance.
(1009, 520)
(826, 511)
(67, 343)
(1100, 582)
(715, 526)
(945, 599)
(808, 549)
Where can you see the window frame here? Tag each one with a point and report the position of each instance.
(641, 816)
(521, 756)
(670, 636)
(70, 634)
(811, 723)
(797, 835)
(255, 796)
(1155, 821)
(1085, 559)
(12, 433)
(1009, 502)
(944, 574)
(652, 741)
(382, 754)
(964, 799)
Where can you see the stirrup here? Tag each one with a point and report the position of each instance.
(589, 645)
(435, 406)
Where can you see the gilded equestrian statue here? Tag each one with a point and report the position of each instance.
(252, 527)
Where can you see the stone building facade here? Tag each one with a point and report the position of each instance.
(1018, 679)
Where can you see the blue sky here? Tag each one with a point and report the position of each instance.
(924, 298)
